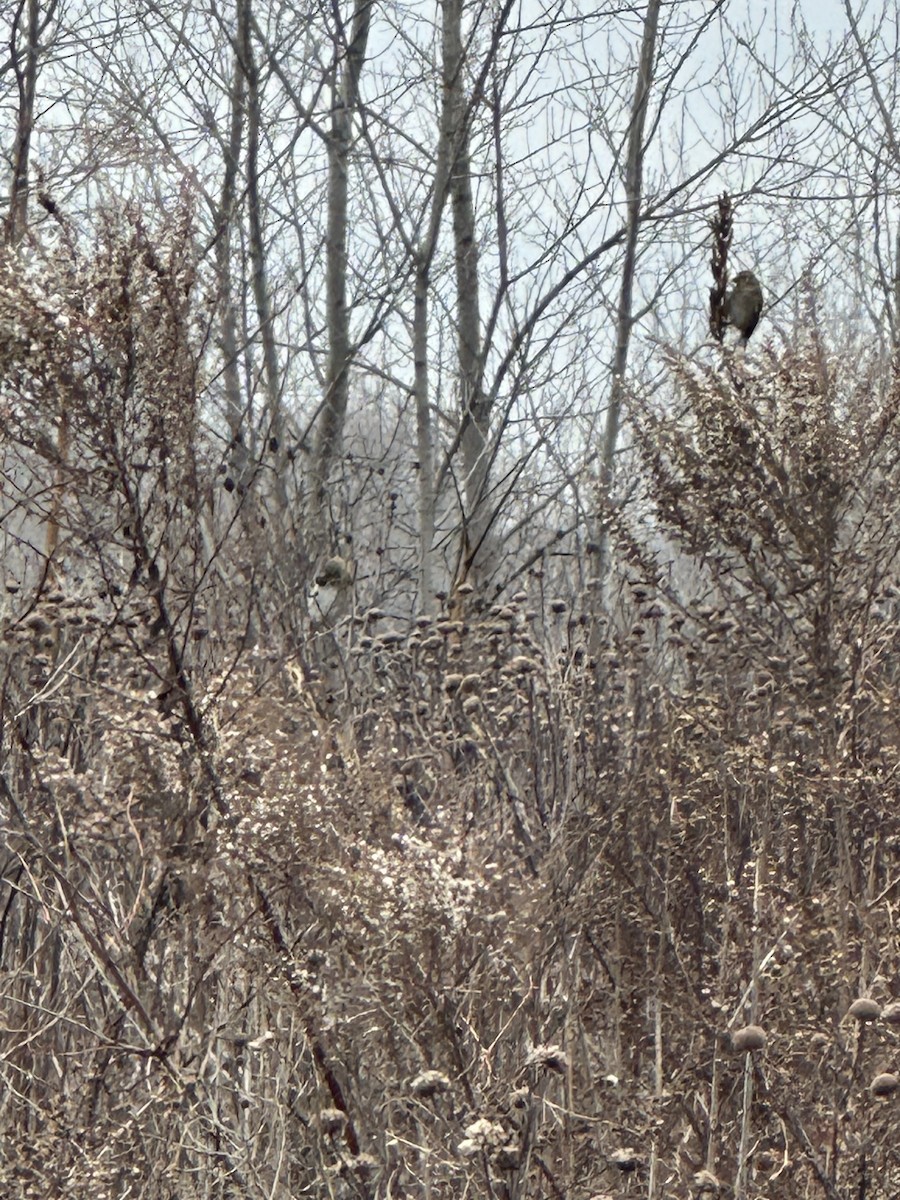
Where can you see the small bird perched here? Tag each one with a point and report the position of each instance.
(744, 303)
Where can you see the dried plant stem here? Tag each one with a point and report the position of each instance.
(746, 1105)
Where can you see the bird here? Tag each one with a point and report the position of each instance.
(743, 304)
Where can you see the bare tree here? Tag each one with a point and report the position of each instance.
(225, 233)
(350, 53)
(28, 26)
(245, 58)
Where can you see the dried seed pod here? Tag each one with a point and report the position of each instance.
(363, 1165)
(332, 1120)
(625, 1158)
(864, 1009)
(751, 1037)
(885, 1084)
(481, 1135)
(508, 1157)
(706, 1185)
(429, 1083)
(552, 1057)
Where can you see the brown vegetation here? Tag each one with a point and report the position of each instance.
(493, 933)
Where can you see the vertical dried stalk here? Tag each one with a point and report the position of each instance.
(722, 233)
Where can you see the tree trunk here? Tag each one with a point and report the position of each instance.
(334, 411)
(235, 408)
(272, 424)
(634, 170)
(25, 65)
(475, 408)
(424, 437)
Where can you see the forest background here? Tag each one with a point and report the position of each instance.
(448, 724)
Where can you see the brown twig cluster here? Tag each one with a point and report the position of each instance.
(721, 226)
